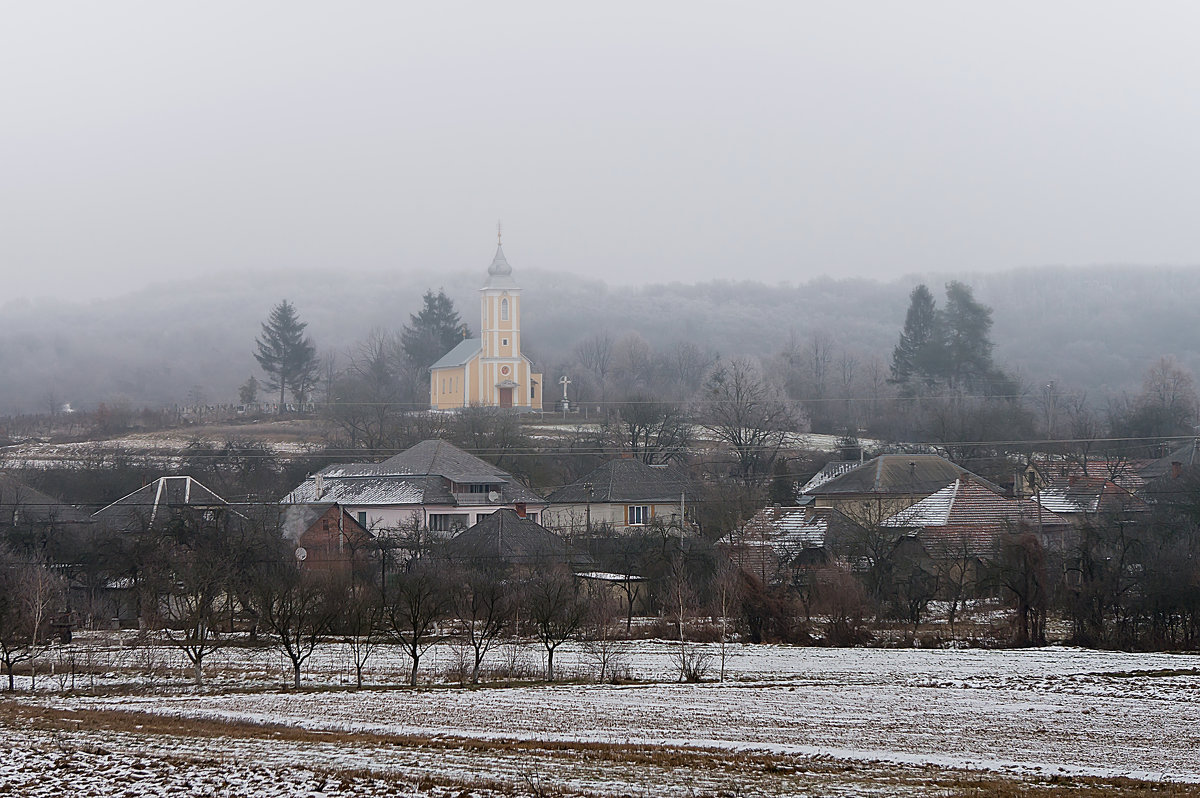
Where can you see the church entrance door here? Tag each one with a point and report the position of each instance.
(506, 397)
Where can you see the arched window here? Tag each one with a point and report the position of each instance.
(503, 310)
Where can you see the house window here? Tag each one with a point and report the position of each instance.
(503, 310)
(447, 522)
(362, 519)
(638, 514)
(503, 342)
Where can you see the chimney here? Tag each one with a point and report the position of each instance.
(1176, 469)
(319, 486)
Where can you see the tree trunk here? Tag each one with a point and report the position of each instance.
(11, 682)
(416, 658)
(199, 673)
(358, 673)
(549, 664)
(296, 674)
(282, 387)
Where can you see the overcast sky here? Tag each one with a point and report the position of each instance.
(632, 141)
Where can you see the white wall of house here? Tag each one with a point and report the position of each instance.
(572, 518)
(393, 517)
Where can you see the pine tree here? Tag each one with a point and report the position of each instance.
(917, 355)
(288, 357)
(432, 332)
(967, 327)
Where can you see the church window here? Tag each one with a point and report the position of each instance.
(503, 310)
(503, 342)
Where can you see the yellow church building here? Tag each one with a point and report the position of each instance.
(489, 371)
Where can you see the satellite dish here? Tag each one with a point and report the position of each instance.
(493, 496)
(301, 554)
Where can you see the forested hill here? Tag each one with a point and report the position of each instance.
(1095, 329)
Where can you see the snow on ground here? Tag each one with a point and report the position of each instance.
(1053, 710)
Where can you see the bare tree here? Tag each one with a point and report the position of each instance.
(361, 617)
(417, 603)
(602, 644)
(484, 608)
(295, 608)
(557, 610)
(746, 413)
(595, 354)
(652, 431)
(191, 606)
(28, 593)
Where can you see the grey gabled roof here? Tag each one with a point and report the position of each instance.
(624, 480)
(415, 476)
(505, 536)
(155, 502)
(461, 354)
(1187, 455)
(20, 502)
(898, 475)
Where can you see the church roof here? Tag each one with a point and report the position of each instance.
(500, 273)
(461, 354)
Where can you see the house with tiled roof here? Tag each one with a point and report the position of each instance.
(1080, 497)
(969, 517)
(621, 496)
(1125, 473)
(879, 488)
(432, 486)
(778, 539)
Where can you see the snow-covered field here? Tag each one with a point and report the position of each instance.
(782, 720)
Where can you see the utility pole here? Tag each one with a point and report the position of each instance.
(588, 488)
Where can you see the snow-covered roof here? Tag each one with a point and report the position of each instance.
(967, 502)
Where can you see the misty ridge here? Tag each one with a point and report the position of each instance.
(1093, 330)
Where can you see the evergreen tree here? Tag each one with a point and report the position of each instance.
(432, 332)
(918, 353)
(952, 345)
(967, 327)
(288, 357)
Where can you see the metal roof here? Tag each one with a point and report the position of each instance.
(508, 537)
(419, 475)
(499, 273)
(898, 475)
(461, 354)
(624, 480)
(153, 502)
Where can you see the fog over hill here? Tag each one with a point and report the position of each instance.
(1092, 329)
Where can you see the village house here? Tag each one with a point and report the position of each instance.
(622, 496)
(433, 486)
(877, 489)
(489, 371)
(328, 539)
(508, 540)
(968, 518)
